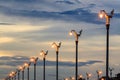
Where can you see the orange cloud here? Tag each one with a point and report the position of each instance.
(6, 39)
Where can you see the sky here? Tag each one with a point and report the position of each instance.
(29, 26)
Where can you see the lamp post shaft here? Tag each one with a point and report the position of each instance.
(28, 73)
(34, 71)
(98, 76)
(15, 77)
(23, 75)
(111, 73)
(18, 75)
(107, 51)
(56, 65)
(44, 68)
(76, 67)
(87, 78)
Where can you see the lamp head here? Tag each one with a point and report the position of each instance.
(76, 35)
(80, 32)
(53, 45)
(33, 59)
(99, 72)
(102, 79)
(46, 52)
(88, 74)
(59, 44)
(80, 76)
(112, 13)
(26, 65)
(56, 46)
(66, 79)
(70, 33)
(111, 69)
(13, 72)
(21, 68)
(101, 14)
(42, 53)
(11, 75)
(72, 78)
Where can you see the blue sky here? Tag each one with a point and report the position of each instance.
(28, 26)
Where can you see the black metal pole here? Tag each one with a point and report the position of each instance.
(23, 75)
(56, 65)
(107, 51)
(18, 75)
(12, 78)
(111, 73)
(76, 67)
(28, 73)
(34, 71)
(98, 76)
(15, 77)
(44, 68)
(9, 78)
(87, 78)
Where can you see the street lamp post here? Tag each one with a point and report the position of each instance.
(54, 45)
(22, 69)
(34, 60)
(101, 15)
(99, 73)
(8, 78)
(72, 78)
(80, 77)
(66, 79)
(14, 74)
(111, 69)
(18, 74)
(44, 57)
(11, 76)
(15, 77)
(88, 75)
(73, 32)
(27, 66)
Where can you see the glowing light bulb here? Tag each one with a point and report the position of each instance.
(101, 15)
(53, 45)
(70, 33)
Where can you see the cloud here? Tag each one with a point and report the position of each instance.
(20, 28)
(116, 15)
(78, 14)
(6, 24)
(20, 1)
(19, 60)
(71, 64)
(6, 40)
(78, 1)
(13, 60)
(66, 2)
(73, 15)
